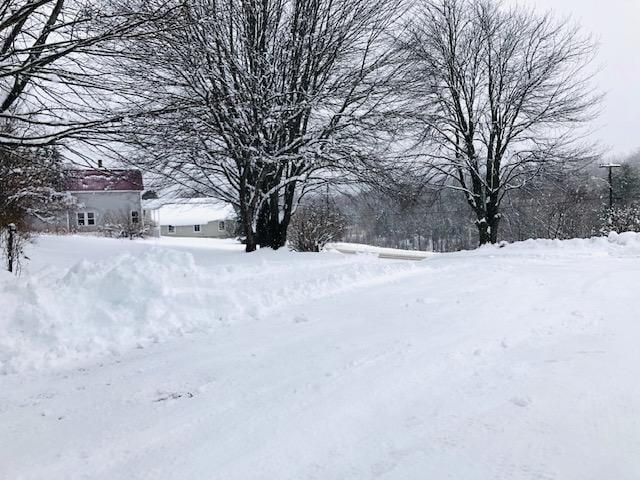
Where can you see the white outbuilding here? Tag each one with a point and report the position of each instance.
(193, 217)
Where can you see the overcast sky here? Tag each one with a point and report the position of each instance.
(616, 25)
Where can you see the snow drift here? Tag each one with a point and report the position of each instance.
(53, 316)
(131, 301)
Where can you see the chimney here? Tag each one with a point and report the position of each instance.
(99, 163)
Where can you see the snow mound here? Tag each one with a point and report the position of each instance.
(590, 245)
(51, 318)
(616, 244)
(625, 239)
(95, 307)
(627, 243)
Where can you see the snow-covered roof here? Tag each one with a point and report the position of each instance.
(153, 203)
(103, 180)
(195, 211)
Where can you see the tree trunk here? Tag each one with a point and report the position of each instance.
(250, 246)
(268, 231)
(273, 224)
(263, 227)
(483, 231)
(488, 229)
(250, 240)
(247, 227)
(494, 225)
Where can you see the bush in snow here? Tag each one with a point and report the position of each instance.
(122, 225)
(314, 225)
(622, 219)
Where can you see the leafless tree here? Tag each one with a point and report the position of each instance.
(31, 181)
(47, 81)
(257, 99)
(497, 96)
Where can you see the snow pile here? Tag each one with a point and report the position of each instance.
(131, 301)
(629, 240)
(588, 246)
(616, 244)
(94, 308)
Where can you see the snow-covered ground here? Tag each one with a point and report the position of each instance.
(185, 359)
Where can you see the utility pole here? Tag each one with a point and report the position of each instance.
(11, 247)
(610, 166)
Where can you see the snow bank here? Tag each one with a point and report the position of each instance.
(54, 315)
(602, 246)
(95, 307)
(623, 244)
(625, 239)
(51, 317)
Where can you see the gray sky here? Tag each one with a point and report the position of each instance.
(616, 26)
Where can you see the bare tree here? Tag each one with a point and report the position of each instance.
(497, 96)
(567, 207)
(31, 186)
(258, 98)
(48, 51)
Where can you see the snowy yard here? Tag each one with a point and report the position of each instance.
(189, 359)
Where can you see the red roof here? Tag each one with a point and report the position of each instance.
(103, 180)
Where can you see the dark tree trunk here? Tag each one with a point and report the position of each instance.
(488, 229)
(263, 227)
(493, 234)
(274, 219)
(483, 232)
(246, 217)
(268, 229)
(272, 231)
(251, 244)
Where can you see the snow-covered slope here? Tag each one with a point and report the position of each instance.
(502, 363)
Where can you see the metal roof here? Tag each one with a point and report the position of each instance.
(104, 180)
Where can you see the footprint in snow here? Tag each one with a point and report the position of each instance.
(521, 401)
(164, 396)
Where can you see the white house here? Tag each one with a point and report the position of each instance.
(101, 197)
(194, 217)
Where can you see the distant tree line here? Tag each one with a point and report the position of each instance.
(575, 206)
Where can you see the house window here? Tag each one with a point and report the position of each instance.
(135, 217)
(221, 225)
(172, 229)
(196, 228)
(86, 219)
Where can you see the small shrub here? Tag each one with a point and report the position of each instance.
(314, 225)
(122, 226)
(622, 219)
